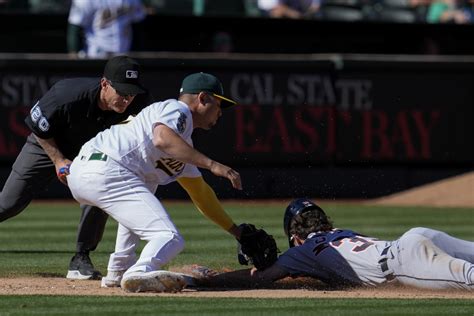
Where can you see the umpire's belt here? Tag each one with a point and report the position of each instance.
(384, 266)
(98, 156)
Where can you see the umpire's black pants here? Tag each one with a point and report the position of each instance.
(31, 173)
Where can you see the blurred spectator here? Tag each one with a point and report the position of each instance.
(222, 42)
(449, 11)
(265, 6)
(14, 5)
(293, 9)
(402, 11)
(100, 29)
(342, 10)
(49, 6)
(237, 8)
(251, 8)
(169, 7)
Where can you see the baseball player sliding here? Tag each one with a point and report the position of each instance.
(119, 171)
(422, 257)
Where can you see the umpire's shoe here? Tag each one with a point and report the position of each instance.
(81, 268)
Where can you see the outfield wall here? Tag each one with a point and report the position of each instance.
(334, 126)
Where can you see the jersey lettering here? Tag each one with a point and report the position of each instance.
(170, 166)
(321, 241)
(320, 247)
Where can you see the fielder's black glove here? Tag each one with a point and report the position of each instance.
(256, 247)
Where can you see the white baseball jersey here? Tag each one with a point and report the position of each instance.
(107, 24)
(123, 179)
(131, 144)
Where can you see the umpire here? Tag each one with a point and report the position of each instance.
(68, 115)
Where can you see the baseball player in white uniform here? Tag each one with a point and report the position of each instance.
(421, 257)
(106, 24)
(119, 171)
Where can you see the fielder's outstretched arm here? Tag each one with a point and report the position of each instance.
(169, 142)
(205, 200)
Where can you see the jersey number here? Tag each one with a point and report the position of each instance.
(361, 243)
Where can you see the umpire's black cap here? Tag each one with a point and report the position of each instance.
(201, 81)
(124, 74)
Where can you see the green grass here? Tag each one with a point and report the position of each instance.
(41, 240)
(85, 305)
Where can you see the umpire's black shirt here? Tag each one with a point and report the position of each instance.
(69, 113)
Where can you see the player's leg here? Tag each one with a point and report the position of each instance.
(130, 202)
(419, 262)
(142, 213)
(31, 173)
(90, 232)
(455, 247)
(123, 257)
(138, 209)
(152, 224)
(91, 228)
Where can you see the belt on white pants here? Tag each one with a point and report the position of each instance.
(95, 156)
(384, 266)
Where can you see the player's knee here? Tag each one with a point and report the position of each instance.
(417, 230)
(426, 232)
(175, 243)
(167, 246)
(171, 240)
(178, 241)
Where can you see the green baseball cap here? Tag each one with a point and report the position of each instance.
(201, 81)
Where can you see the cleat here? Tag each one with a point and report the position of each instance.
(154, 281)
(112, 279)
(81, 268)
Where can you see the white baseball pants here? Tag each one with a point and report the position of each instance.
(132, 203)
(427, 258)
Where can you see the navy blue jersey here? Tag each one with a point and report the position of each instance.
(337, 257)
